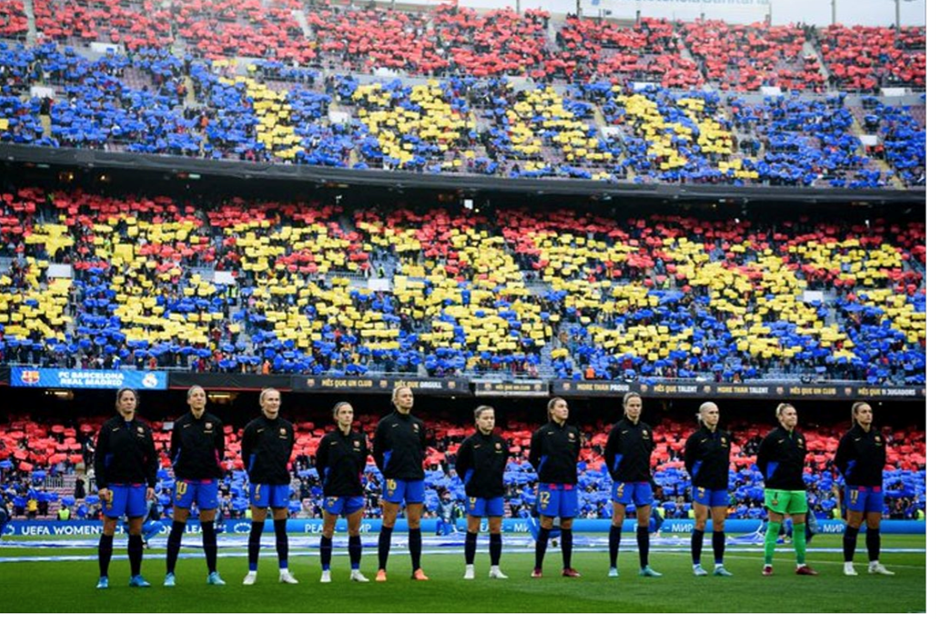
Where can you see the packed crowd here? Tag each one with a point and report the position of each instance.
(451, 39)
(262, 286)
(633, 109)
(864, 58)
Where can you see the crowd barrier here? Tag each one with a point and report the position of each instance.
(33, 528)
(25, 376)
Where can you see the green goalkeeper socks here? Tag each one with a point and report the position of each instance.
(799, 542)
(770, 542)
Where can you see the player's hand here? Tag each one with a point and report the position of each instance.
(103, 494)
(150, 494)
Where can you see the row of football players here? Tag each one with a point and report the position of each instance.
(126, 466)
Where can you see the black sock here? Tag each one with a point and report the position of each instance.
(643, 545)
(471, 546)
(849, 542)
(566, 541)
(210, 544)
(415, 547)
(325, 550)
(135, 553)
(383, 547)
(718, 546)
(614, 544)
(873, 541)
(542, 540)
(696, 544)
(173, 545)
(105, 550)
(496, 545)
(253, 545)
(282, 543)
(354, 551)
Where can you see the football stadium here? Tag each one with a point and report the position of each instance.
(462, 307)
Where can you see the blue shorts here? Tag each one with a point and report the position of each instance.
(410, 491)
(269, 495)
(557, 500)
(202, 492)
(710, 498)
(864, 499)
(636, 492)
(343, 505)
(126, 500)
(479, 508)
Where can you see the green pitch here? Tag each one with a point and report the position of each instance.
(68, 586)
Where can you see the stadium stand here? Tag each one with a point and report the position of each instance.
(230, 284)
(498, 43)
(13, 21)
(352, 40)
(271, 83)
(219, 30)
(865, 59)
(131, 24)
(662, 297)
(808, 142)
(417, 128)
(645, 52)
(901, 136)
(747, 57)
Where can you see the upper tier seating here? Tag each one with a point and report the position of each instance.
(462, 293)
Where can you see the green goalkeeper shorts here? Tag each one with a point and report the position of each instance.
(786, 501)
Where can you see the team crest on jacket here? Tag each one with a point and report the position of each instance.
(571, 435)
(415, 427)
(357, 443)
(723, 441)
(282, 431)
(645, 434)
(208, 426)
(139, 430)
(877, 439)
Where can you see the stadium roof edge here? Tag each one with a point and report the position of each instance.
(111, 161)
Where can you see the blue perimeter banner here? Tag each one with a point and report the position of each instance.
(86, 379)
(39, 528)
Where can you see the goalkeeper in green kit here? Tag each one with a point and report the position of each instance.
(780, 460)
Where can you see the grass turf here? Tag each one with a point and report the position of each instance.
(68, 586)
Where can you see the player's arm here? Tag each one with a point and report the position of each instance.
(463, 460)
(690, 454)
(653, 439)
(839, 494)
(218, 443)
(766, 454)
(101, 449)
(380, 445)
(248, 442)
(423, 438)
(507, 447)
(321, 459)
(289, 467)
(152, 460)
(536, 450)
(365, 450)
(175, 442)
(843, 455)
(611, 450)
